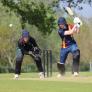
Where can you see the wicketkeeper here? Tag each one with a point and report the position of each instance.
(68, 45)
(28, 46)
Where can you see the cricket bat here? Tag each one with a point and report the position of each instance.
(69, 11)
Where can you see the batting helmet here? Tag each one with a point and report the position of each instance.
(62, 20)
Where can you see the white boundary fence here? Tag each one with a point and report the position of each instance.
(90, 66)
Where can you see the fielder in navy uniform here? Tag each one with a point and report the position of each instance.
(28, 46)
(68, 45)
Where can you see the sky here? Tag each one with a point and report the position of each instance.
(86, 12)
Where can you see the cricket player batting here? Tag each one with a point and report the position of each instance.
(68, 45)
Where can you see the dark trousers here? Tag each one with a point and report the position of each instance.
(19, 59)
(76, 56)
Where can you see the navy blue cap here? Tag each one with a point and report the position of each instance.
(25, 33)
(62, 20)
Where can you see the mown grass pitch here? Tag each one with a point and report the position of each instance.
(29, 82)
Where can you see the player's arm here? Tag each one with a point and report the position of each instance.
(33, 42)
(35, 45)
(20, 45)
(70, 31)
(77, 28)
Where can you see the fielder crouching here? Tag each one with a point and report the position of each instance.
(28, 46)
(69, 45)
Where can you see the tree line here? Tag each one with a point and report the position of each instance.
(41, 21)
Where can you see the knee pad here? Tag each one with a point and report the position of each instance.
(39, 65)
(76, 61)
(76, 55)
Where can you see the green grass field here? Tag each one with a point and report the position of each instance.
(30, 82)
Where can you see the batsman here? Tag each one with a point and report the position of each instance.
(27, 46)
(68, 45)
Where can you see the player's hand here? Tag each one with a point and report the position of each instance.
(78, 25)
(30, 53)
(77, 22)
(35, 48)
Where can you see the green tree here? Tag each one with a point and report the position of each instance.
(8, 37)
(38, 14)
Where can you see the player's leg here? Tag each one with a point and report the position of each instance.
(40, 67)
(76, 61)
(19, 58)
(38, 62)
(61, 68)
(61, 64)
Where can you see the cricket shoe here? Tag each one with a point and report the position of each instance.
(75, 74)
(16, 76)
(60, 75)
(41, 75)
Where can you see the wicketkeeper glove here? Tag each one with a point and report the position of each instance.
(30, 52)
(37, 50)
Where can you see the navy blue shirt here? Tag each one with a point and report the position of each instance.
(67, 40)
(29, 46)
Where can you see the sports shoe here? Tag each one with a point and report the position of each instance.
(16, 76)
(59, 76)
(75, 74)
(41, 75)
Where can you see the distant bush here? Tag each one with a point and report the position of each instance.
(84, 66)
(33, 68)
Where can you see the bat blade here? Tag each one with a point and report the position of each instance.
(69, 11)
